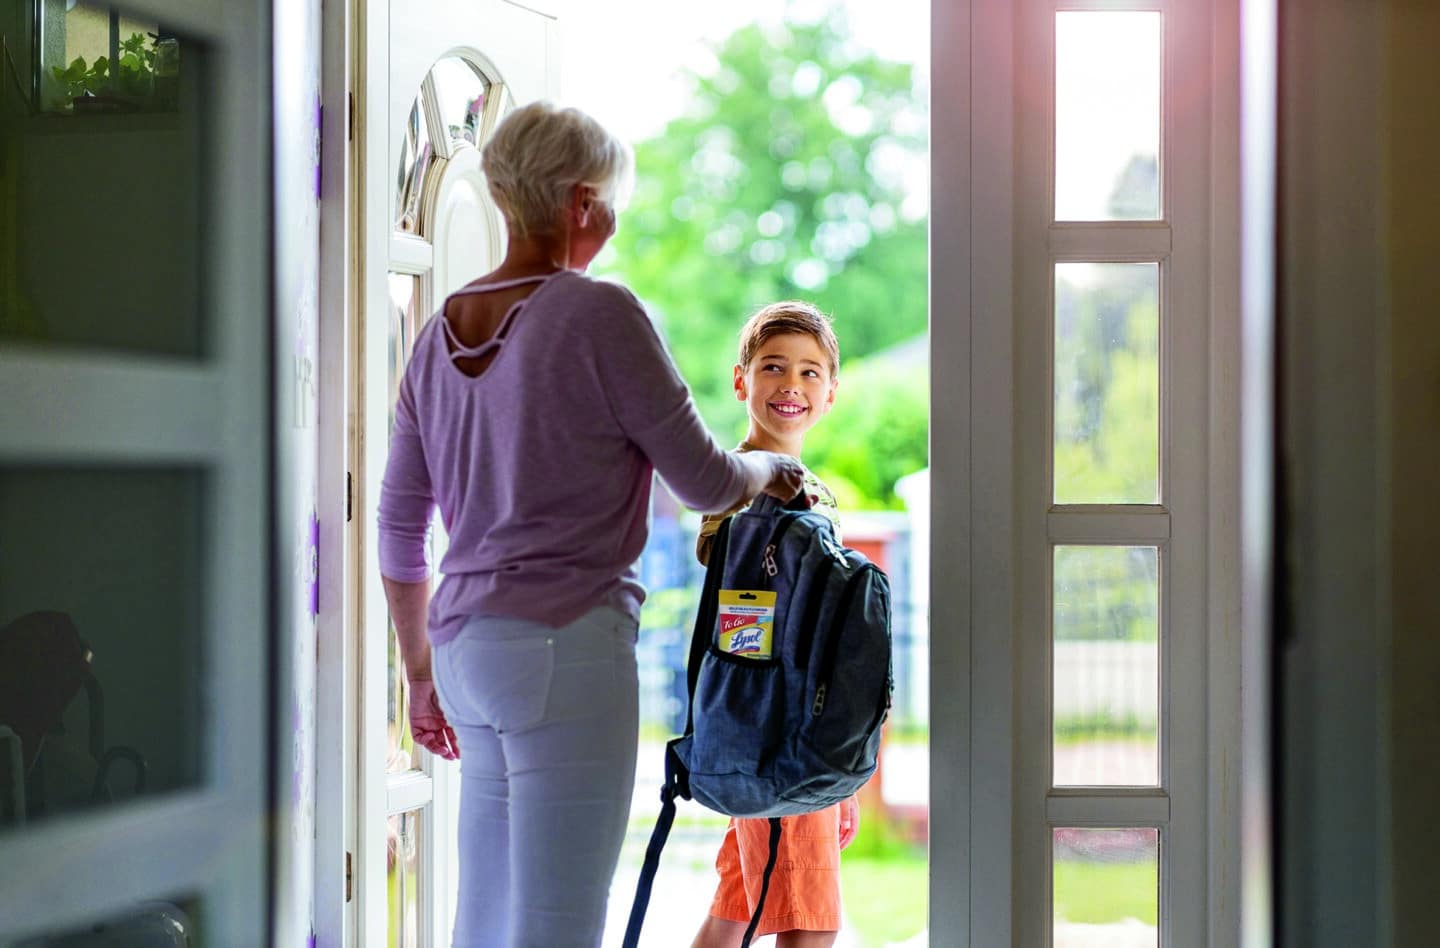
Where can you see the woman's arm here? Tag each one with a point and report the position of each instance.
(409, 605)
(653, 406)
(406, 504)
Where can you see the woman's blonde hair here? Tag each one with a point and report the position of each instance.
(537, 156)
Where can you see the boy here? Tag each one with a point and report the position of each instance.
(787, 375)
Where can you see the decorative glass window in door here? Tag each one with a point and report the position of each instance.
(444, 231)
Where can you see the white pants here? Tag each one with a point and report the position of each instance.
(547, 721)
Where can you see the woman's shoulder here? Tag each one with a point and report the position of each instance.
(601, 314)
(594, 291)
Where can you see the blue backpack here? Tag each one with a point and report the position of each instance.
(789, 678)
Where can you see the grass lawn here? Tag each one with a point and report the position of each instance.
(1086, 892)
(885, 899)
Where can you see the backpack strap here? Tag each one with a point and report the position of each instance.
(705, 618)
(652, 859)
(764, 881)
(677, 777)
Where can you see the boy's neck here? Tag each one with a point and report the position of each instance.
(760, 441)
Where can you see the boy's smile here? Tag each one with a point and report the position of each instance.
(786, 388)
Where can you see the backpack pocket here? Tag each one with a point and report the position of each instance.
(849, 693)
(738, 702)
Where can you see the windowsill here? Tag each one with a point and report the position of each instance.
(103, 123)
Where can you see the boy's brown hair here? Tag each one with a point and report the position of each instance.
(789, 316)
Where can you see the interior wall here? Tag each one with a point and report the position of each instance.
(1412, 185)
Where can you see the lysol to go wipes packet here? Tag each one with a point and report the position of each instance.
(747, 622)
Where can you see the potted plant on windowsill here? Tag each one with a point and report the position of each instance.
(143, 77)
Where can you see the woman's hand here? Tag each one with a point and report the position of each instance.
(778, 475)
(427, 722)
(849, 821)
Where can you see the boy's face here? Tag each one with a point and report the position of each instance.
(786, 388)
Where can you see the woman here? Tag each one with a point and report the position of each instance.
(533, 411)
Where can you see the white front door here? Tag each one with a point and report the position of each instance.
(138, 575)
(439, 76)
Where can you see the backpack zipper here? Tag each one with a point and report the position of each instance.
(827, 661)
(779, 534)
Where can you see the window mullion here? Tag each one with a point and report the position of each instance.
(1110, 242)
(1120, 525)
(1107, 806)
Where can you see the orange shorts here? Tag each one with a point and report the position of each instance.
(805, 886)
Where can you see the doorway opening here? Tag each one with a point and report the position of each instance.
(781, 156)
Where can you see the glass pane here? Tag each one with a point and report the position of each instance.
(105, 204)
(402, 879)
(1107, 888)
(461, 92)
(1107, 116)
(101, 586)
(1106, 666)
(404, 324)
(1107, 383)
(400, 751)
(415, 157)
(155, 922)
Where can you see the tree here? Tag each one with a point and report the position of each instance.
(878, 430)
(1107, 383)
(784, 179)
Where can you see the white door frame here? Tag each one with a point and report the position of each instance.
(976, 869)
(337, 663)
(972, 521)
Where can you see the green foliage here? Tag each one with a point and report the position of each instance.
(1105, 726)
(669, 608)
(878, 838)
(783, 179)
(876, 434)
(886, 900)
(78, 79)
(1107, 384)
(1106, 593)
(1101, 893)
(134, 79)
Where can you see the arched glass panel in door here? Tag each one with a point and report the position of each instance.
(445, 232)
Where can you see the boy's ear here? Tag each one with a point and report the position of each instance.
(830, 395)
(740, 394)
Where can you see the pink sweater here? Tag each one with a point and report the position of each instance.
(541, 466)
